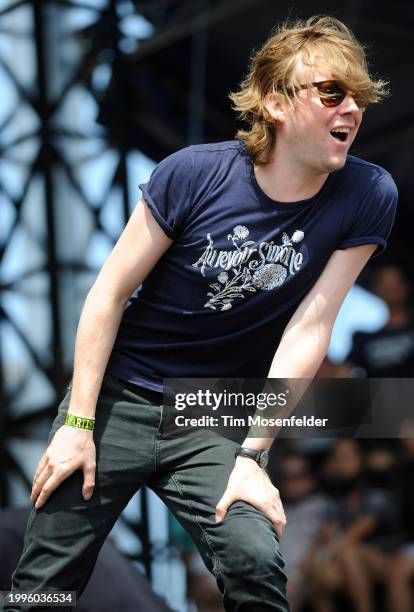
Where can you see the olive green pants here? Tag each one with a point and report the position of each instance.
(138, 443)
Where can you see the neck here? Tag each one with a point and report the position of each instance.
(285, 181)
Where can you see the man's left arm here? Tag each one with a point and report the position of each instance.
(301, 350)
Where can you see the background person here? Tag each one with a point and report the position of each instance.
(350, 553)
(388, 352)
(306, 509)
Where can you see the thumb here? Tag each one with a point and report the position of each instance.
(222, 507)
(88, 483)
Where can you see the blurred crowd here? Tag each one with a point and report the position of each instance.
(349, 540)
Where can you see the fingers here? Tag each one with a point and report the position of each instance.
(88, 482)
(68, 452)
(39, 480)
(48, 480)
(277, 514)
(277, 517)
(272, 508)
(273, 511)
(279, 522)
(222, 507)
(48, 487)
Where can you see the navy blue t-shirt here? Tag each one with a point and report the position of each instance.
(217, 302)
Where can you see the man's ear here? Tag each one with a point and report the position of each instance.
(276, 107)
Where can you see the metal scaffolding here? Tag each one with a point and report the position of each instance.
(79, 102)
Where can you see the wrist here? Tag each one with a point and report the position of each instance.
(80, 422)
(260, 457)
(245, 462)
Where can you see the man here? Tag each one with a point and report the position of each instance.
(245, 251)
(389, 351)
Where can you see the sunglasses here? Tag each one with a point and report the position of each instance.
(330, 93)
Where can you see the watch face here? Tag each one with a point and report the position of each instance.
(264, 459)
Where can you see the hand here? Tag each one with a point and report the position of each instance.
(250, 483)
(71, 449)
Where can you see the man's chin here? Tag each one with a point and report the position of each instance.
(336, 163)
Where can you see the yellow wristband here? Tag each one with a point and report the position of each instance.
(80, 422)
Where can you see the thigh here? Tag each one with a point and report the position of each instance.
(63, 538)
(124, 436)
(194, 478)
(242, 551)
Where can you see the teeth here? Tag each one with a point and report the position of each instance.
(343, 130)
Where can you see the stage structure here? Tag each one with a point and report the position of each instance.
(77, 87)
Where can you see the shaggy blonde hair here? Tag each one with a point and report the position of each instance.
(321, 42)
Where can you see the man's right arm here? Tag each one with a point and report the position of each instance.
(138, 249)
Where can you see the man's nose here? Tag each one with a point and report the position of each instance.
(349, 105)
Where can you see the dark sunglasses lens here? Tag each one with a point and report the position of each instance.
(332, 94)
(334, 101)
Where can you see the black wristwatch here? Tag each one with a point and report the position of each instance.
(260, 456)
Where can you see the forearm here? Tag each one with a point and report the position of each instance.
(296, 360)
(98, 326)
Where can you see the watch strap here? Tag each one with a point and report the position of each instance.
(261, 457)
(248, 452)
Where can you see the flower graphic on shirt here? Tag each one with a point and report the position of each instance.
(245, 274)
(297, 236)
(240, 232)
(233, 289)
(222, 277)
(269, 277)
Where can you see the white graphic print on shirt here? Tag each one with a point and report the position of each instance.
(248, 268)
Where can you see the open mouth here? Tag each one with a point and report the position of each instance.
(340, 134)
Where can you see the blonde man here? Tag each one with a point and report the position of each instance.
(244, 251)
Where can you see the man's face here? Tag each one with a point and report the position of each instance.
(306, 130)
